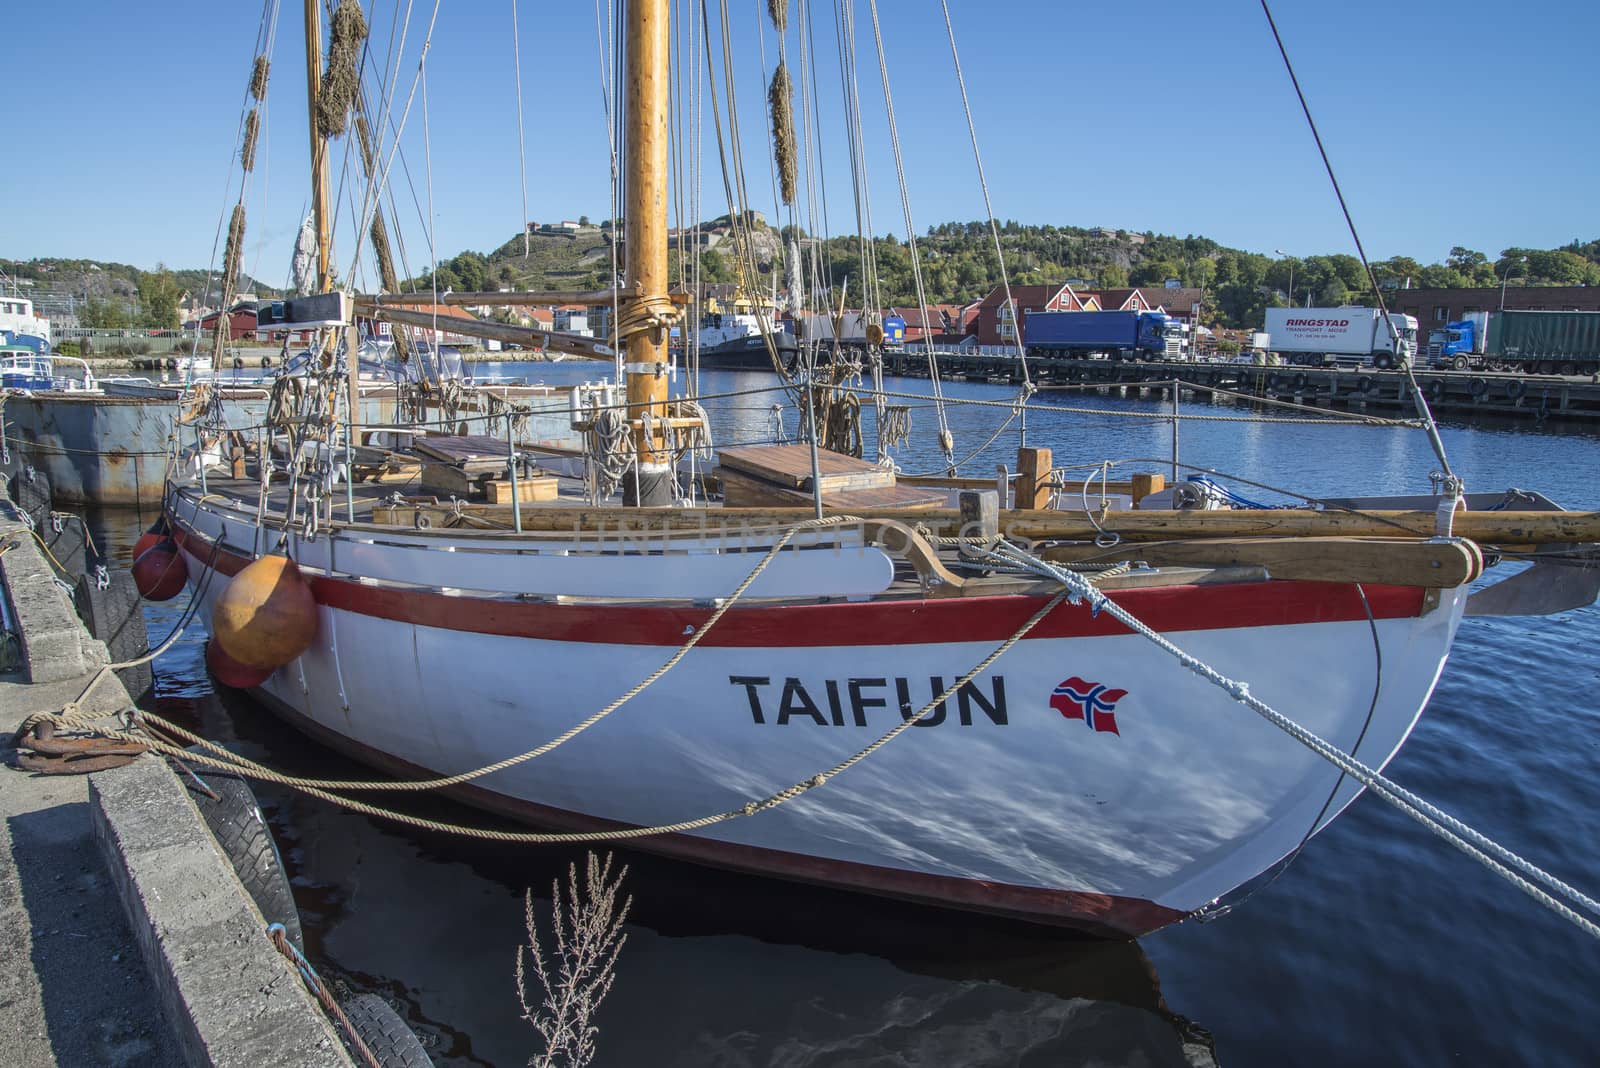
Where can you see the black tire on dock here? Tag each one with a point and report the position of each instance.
(245, 839)
(266, 361)
(1477, 387)
(1299, 382)
(32, 495)
(1364, 384)
(1516, 388)
(1436, 390)
(238, 363)
(389, 1038)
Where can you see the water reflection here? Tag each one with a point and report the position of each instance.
(719, 968)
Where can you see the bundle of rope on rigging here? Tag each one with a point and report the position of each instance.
(838, 419)
(609, 442)
(780, 97)
(232, 253)
(895, 430)
(642, 313)
(252, 129)
(258, 77)
(342, 78)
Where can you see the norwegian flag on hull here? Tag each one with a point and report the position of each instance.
(1091, 702)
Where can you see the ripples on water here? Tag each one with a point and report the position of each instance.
(1380, 945)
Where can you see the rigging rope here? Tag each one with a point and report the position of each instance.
(994, 227)
(1487, 852)
(227, 760)
(1418, 399)
(946, 438)
(522, 148)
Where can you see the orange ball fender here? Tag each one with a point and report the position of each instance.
(159, 573)
(154, 535)
(228, 671)
(267, 616)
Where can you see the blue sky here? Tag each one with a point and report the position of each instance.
(1448, 122)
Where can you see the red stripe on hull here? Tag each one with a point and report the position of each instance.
(1168, 609)
(1107, 915)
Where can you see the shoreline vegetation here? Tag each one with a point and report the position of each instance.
(957, 259)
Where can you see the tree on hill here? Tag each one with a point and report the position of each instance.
(158, 298)
(104, 315)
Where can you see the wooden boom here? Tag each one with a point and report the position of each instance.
(571, 344)
(511, 298)
(1491, 528)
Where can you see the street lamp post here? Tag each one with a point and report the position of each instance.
(1518, 262)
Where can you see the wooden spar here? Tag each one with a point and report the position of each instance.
(645, 153)
(571, 344)
(1422, 562)
(319, 145)
(512, 299)
(1490, 528)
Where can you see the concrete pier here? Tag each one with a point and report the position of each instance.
(1462, 395)
(129, 940)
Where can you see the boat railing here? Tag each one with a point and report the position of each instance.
(44, 367)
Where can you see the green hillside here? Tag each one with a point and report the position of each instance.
(958, 265)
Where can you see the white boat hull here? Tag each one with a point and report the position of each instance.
(1002, 802)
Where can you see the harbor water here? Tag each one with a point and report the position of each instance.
(1379, 944)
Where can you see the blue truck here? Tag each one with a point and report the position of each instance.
(1532, 342)
(1116, 335)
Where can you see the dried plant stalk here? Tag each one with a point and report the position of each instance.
(780, 97)
(587, 937)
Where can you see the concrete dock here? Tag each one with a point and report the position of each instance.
(1464, 395)
(129, 940)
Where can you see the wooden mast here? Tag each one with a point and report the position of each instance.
(320, 212)
(319, 144)
(645, 153)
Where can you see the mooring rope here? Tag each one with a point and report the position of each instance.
(1076, 588)
(250, 769)
(683, 650)
(1474, 844)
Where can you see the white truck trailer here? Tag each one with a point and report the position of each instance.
(1349, 335)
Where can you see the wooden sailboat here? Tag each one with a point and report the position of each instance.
(1058, 765)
